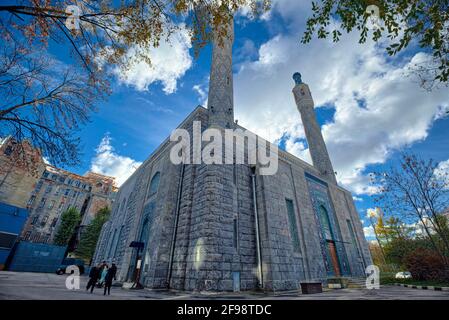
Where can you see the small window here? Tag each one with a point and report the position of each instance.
(53, 223)
(32, 198)
(8, 150)
(46, 174)
(52, 204)
(236, 233)
(39, 186)
(292, 224)
(34, 220)
(351, 232)
(44, 221)
(67, 192)
(42, 203)
(48, 189)
(122, 206)
(154, 184)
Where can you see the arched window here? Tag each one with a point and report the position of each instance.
(293, 226)
(325, 223)
(154, 184)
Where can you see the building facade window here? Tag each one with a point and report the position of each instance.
(292, 223)
(44, 221)
(154, 184)
(235, 238)
(42, 203)
(118, 241)
(122, 206)
(48, 189)
(61, 204)
(351, 232)
(111, 248)
(27, 236)
(325, 223)
(51, 204)
(31, 201)
(34, 219)
(39, 186)
(67, 192)
(8, 150)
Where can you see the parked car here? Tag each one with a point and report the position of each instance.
(403, 275)
(70, 262)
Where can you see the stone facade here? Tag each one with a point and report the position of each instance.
(226, 227)
(188, 225)
(20, 167)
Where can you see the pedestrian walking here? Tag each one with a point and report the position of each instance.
(103, 274)
(112, 271)
(93, 278)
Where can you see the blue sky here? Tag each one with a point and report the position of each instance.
(369, 105)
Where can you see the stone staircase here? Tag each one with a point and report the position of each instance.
(346, 282)
(357, 283)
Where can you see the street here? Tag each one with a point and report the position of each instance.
(45, 286)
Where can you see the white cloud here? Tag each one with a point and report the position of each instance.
(202, 93)
(378, 109)
(356, 198)
(108, 162)
(169, 62)
(369, 232)
(373, 213)
(442, 172)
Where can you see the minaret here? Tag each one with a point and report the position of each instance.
(221, 96)
(317, 147)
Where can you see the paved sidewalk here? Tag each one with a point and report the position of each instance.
(43, 286)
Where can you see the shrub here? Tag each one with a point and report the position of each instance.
(425, 264)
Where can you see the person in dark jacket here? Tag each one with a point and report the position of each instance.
(112, 271)
(93, 278)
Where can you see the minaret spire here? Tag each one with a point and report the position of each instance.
(317, 147)
(221, 93)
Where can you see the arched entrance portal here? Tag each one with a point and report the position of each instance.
(331, 249)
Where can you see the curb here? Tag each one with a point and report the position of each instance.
(422, 287)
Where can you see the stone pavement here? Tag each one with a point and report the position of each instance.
(39, 286)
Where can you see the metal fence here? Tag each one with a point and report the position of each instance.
(37, 257)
